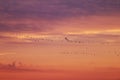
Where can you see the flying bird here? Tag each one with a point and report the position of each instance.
(67, 39)
(71, 40)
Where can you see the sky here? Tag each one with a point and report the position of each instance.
(58, 17)
(82, 36)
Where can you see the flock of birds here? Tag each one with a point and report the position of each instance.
(71, 40)
(66, 39)
(76, 53)
(85, 52)
(117, 53)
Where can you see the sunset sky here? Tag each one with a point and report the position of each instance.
(80, 36)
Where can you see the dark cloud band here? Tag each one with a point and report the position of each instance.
(52, 9)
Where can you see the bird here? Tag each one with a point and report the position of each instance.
(67, 39)
(71, 40)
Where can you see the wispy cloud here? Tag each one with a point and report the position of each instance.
(7, 53)
(19, 67)
(106, 36)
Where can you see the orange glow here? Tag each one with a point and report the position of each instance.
(59, 40)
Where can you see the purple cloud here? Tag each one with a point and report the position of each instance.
(23, 27)
(52, 9)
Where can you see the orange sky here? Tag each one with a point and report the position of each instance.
(66, 39)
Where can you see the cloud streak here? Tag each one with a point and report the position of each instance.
(3, 54)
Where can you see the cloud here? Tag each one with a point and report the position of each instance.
(22, 28)
(14, 67)
(54, 15)
(2, 37)
(2, 54)
(58, 8)
(93, 74)
(76, 38)
(19, 67)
